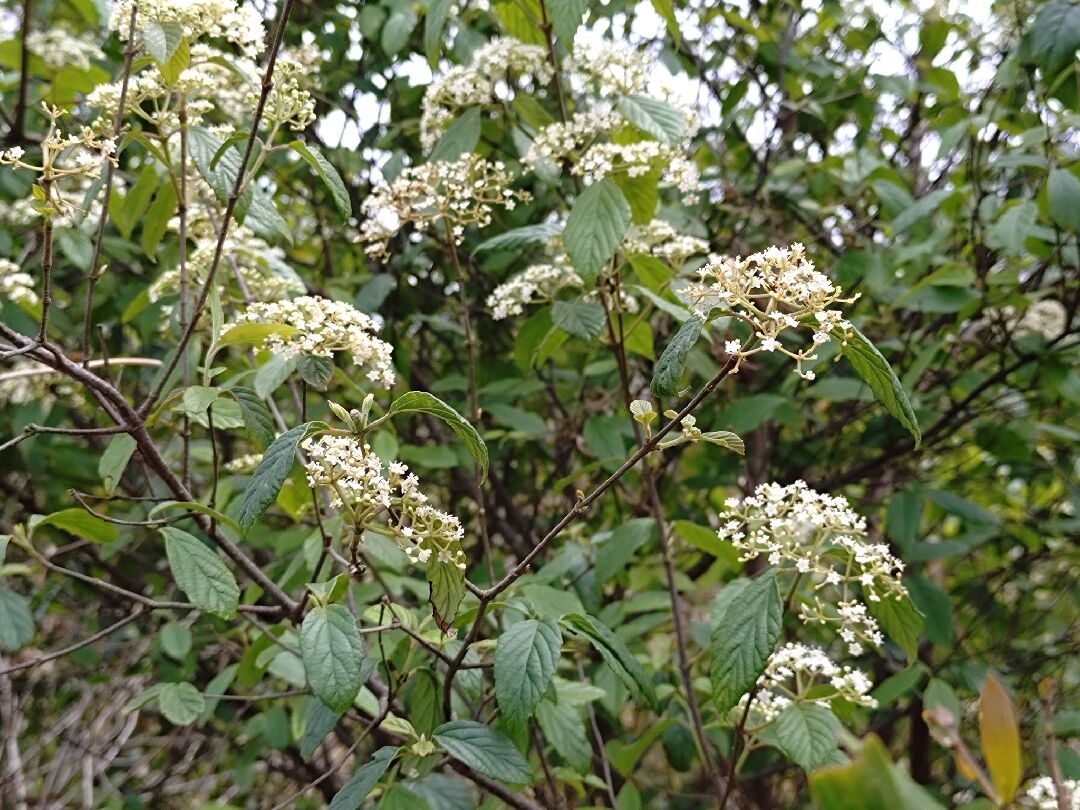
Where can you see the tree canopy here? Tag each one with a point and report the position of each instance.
(539, 404)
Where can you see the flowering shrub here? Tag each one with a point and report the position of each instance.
(398, 405)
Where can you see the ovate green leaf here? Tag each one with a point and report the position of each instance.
(665, 122)
(114, 460)
(200, 573)
(265, 484)
(16, 621)
(806, 732)
(423, 402)
(484, 750)
(333, 655)
(525, 663)
(743, 638)
(328, 174)
(669, 368)
(876, 372)
(596, 226)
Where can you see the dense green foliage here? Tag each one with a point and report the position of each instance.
(268, 268)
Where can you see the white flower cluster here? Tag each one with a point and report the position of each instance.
(487, 78)
(259, 269)
(615, 68)
(800, 673)
(1044, 795)
(241, 26)
(323, 327)
(247, 463)
(288, 102)
(59, 49)
(353, 475)
(63, 157)
(219, 91)
(16, 285)
(1046, 317)
(658, 238)
(461, 193)
(536, 282)
(558, 141)
(27, 382)
(637, 160)
(771, 291)
(823, 539)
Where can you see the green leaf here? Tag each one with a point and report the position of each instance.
(434, 25)
(564, 730)
(114, 460)
(520, 18)
(668, 370)
(876, 372)
(460, 137)
(1012, 228)
(399, 797)
(16, 621)
(615, 654)
(423, 700)
(619, 549)
(200, 573)
(264, 486)
(364, 778)
(157, 218)
(896, 686)
(177, 63)
(316, 371)
(78, 523)
(743, 638)
(255, 200)
(257, 417)
(181, 703)
(1053, 37)
(328, 174)
(1063, 194)
(566, 18)
(397, 29)
(162, 39)
(870, 782)
(484, 750)
(901, 620)
(244, 333)
(517, 238)
(423, 402)
(806, 733)
(176, 640)
(595, 227)
(320, 722)
(581, 318)
(525, 663)
(665, 122)
(333, 655)
(642, 193)
(446, 584)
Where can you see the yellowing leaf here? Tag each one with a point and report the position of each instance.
(1000, 737)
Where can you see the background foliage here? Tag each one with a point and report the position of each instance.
(926, 156)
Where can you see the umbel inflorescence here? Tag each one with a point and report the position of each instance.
(802, 673)
(823, 541)
(458, 194)
(319, 327)
(354, 477)
(772, 291)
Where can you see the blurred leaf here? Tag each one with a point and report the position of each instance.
(999, 735)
